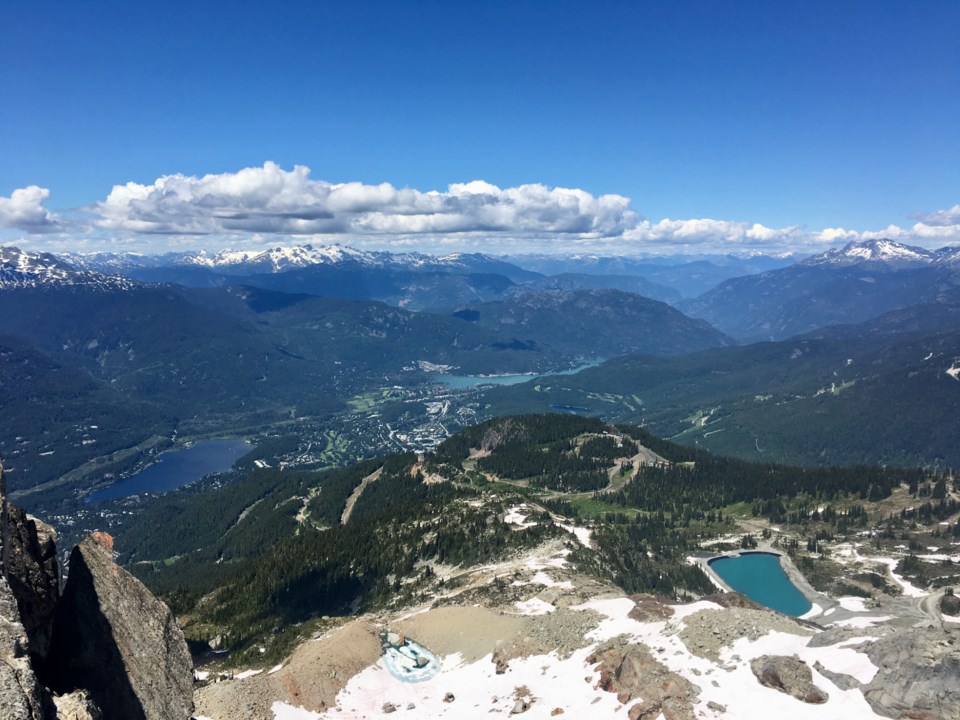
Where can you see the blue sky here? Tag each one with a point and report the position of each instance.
(796, 117)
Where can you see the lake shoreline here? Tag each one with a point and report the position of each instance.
(193, 461)
(818, 601)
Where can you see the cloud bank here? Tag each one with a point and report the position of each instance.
(24, 210)
(269, 199)
(260, 205)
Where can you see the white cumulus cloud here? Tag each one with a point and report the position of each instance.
(259, 205)
(940, 218)
(706, 234)
(24, 210)
(270, 199)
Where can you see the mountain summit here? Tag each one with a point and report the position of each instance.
(882, 250)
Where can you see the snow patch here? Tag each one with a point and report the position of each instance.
(515, 517)
(812, 612)
(909, 589)
(853, 604)
(283, 711)
(582, 534)
(534, 606)
(542, 578)
(861, 622)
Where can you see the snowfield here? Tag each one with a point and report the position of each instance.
(551, 683)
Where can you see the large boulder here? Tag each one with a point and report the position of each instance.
(21, 696)
(789, 675)
(630, 671)
(113, 638)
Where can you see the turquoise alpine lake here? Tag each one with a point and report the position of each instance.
(175, 468)
(760, 577)
(465, 382)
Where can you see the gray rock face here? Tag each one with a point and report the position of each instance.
(77, 706)
(113, 638)
(21, 696)
(789, 675)
(34, 576)
(918, 677)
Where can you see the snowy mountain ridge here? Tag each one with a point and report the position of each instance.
(282, 258)
(23, 269)
(884, 251)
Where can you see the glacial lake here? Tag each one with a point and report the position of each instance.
(465, 382)
(759, 576)
(175, 468)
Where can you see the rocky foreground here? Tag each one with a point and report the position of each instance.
(532, 637)
(106, 649)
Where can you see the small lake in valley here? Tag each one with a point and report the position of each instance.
(175, 468)
(759, 576)
(465, 382)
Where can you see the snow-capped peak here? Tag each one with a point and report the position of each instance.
(882, 251)
(949, 255)
(276, 259)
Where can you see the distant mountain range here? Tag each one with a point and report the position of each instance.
(680, 274)
(417, 281)
(861, 281)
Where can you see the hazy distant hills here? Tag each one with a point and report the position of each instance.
(582, 281)
(604, 322)
(416, 281)
(859, 282)
(883, 391)
(688, 276)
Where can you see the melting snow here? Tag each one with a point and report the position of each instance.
(583, 535)
(908, 589)
(853, 604)
(534, 606)
(861, 622)
(515, 517)
(542, 578)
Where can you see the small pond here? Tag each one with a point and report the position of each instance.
(759, 576)
(175, 468)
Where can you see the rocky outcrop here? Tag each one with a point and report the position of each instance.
(789, 675)
(113, 638)
(33, 576)
(21, 696)
(918, 676)
(630, 671)
(77, 706)
(707, 632)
